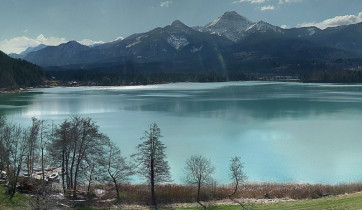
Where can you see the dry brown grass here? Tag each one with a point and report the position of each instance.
(167, 194)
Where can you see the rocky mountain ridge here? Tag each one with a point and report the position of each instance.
(229, 43)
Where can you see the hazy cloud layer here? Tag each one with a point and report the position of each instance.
(268, 7)
(263, 1)
(19, 44)
(288, 1)
(165, 3)
(336, 21)
(250, 1)
(89, 42)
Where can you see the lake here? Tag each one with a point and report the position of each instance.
(283, 132)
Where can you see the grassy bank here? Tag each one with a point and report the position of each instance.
(351, 201)
(19, 200)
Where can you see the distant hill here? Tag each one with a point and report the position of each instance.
(27, 51)
(15, 73)
(64, 54)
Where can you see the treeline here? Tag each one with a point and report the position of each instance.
(351, 76)
(88, 157)
(18, 73)
(113, 78)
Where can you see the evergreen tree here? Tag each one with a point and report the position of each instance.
(151, 159)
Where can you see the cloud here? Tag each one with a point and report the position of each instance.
(89, 42)
(165, 3)
(250, 1)
(336, 21)
(120, 38)
(269, 7)
(289, 1)
(284, 26)
(19, 44)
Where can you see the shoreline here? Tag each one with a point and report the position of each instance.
(5, 91)
(78, 84)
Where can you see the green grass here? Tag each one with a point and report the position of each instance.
(353, 201)
(19, 200)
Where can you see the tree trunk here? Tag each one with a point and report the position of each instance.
(42, 162)
(153, 195)
(232, 194)
(80, 154)
(67, 170)
(16, 180)
(71, 172)
(198, 191)
(90, 179)
(115, 185)
(75, 183)
(117, 189)
(236, 189)
(198, 194)
(27, 161)
(79, 160)
(63, 171)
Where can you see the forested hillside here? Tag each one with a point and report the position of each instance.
(17, 73)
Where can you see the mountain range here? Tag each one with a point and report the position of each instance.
(229, 43)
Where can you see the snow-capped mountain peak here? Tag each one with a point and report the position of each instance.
(229, 19)
(230, 24)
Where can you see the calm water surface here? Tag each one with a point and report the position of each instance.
(284, 132)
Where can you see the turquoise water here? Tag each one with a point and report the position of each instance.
(284, 132)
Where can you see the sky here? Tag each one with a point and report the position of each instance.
(28, 23)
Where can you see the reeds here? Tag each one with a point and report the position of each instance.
(172, 193)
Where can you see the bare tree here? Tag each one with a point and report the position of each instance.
(16, 143)
(151, 159)
(73, 143)
(59, 150)
(32, 145)
(44, 136)
(3, 153)
(95, 164)
(93, 169)
(237, 175)
(118, 169)
(198, 172)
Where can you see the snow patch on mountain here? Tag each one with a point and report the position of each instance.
(311, 31)
(263, 27)
(133, 44)
(196, 49)
(177, 42)
(138, 40)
